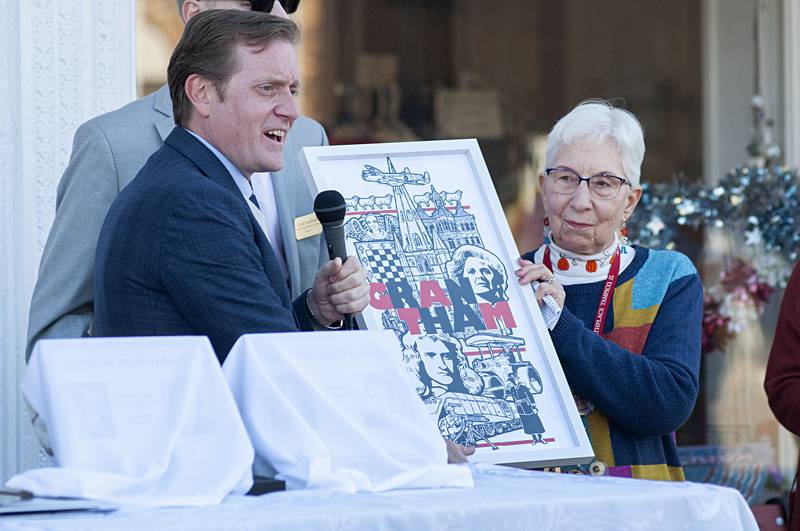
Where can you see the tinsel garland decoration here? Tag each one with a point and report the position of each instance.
(738, 298)
(758, 206)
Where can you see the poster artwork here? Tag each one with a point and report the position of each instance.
(425, 223)
(444, 294)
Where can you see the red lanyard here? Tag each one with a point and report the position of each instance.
(608, 287)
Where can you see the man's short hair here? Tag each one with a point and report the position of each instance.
(208, 48)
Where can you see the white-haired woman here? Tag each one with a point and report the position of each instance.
(625, 320)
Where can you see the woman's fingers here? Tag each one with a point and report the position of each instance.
(529, 272)
(555, 290)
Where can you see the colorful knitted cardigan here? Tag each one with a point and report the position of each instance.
(642, 375)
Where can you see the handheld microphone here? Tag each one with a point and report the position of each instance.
(330, 208)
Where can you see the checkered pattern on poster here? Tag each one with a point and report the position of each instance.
(381, 261)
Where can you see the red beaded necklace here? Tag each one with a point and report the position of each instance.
(608, 287)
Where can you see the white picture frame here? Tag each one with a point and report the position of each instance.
(425, 222)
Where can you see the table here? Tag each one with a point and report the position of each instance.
(503, 498)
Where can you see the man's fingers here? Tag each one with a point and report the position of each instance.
(455, 453)
(353, 307)
(331, 268)
(355, 276)
(351, 300)
(349, 267)
(350, 283)
(341, 288)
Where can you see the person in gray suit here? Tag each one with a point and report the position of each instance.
(107, 153)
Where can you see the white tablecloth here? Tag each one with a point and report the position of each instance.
(145, 421)
(332, 421)
(503, 499)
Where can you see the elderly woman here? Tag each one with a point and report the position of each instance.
(625, 320)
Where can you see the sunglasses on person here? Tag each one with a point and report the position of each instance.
(290, 6)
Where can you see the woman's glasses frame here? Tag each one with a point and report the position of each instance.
(603, 185)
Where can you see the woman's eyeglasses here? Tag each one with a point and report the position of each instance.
(602, 186)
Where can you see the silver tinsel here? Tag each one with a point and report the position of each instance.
(759, 204)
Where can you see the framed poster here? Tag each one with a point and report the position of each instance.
(424, 220)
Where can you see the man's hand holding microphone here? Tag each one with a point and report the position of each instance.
(340, 288)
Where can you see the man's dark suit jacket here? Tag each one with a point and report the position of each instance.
(180, 253)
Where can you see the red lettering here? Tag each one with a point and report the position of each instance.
(431, 292)
(378, 298)
(492, 312)
(410, 316)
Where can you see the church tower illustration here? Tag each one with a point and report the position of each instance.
(424, 254)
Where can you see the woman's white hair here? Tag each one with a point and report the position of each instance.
(591, 122)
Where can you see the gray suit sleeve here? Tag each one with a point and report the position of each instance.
(323, 250)
(62, 299)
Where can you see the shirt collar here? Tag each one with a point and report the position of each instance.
(578, 270)
(241, 181)
(604, 254)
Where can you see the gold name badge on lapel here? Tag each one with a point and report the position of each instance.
(306, 226)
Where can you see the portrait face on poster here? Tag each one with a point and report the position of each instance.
(424, 220)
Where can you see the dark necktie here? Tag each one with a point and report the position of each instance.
(254, 201)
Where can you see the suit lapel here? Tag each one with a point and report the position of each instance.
(164, 126)
(163, 104)
(212, 167)
(204, 159)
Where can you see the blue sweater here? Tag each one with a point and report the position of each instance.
(642, 374)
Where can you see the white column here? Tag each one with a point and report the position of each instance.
(787, 443)
(791, 81)
(62, 62)
(728, 63)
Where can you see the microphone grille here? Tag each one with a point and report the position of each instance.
(329, 206)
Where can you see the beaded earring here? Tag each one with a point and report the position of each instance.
(546, 229)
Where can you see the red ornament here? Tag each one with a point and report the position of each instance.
(546, 221)
(591, 266)
(563, 265)
(624, 232)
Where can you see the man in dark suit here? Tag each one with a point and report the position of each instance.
(183, 249)
(108, 151)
